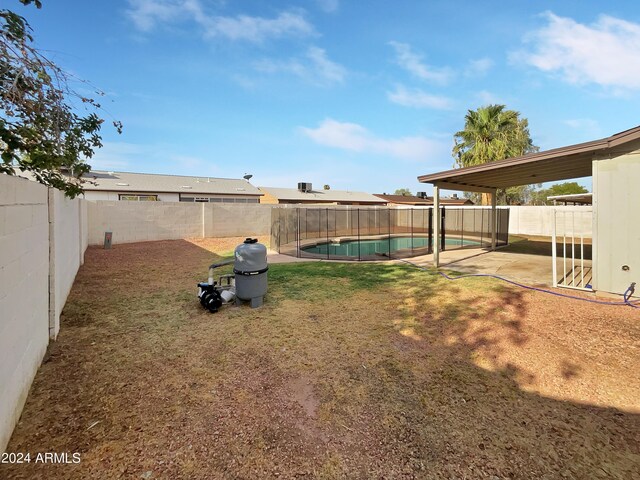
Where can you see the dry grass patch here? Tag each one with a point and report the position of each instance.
(347, 371)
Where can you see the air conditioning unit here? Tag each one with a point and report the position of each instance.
(304, 186)
(421, 194)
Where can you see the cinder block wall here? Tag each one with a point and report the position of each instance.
(68, 242)
(143, 221)
(24, 293)
(538, 221)
(35, 278)
(237, 220)
(146, 221)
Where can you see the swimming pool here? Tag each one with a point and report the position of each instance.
(379, 247)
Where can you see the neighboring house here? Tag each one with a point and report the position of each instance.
(304, 194)
(418, 201)
(167, 188)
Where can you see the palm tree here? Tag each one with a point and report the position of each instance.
(491, 133)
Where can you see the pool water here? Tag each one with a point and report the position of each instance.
(362, 248)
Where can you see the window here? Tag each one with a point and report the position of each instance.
(139, 198)
(218, 199)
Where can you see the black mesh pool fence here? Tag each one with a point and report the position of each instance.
(375, 233)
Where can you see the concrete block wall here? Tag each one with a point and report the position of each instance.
(131, 221)
(67, 244)
(143, 221)
(237, 220)
(538, 221)
(39, 258)
(24, 293)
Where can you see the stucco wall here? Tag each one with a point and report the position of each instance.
(35, 279)
(147, 221)
(616, 193)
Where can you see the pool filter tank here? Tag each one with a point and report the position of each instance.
(250, 269)
(248, 281)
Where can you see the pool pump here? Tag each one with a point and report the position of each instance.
(247, 283)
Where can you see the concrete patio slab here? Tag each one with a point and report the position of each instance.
(530, 269)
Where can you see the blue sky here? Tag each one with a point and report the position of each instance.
(358, 95)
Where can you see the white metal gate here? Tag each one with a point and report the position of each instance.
(572, 235)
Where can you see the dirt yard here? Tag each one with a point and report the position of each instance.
(347, 371)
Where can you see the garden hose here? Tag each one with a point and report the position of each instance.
(626, 296)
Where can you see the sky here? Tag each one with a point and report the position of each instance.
(362, 96)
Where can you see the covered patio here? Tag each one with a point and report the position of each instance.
(527, 261)
(598, 158)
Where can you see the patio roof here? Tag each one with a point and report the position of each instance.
(573, 161)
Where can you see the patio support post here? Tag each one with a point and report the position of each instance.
(436, 226)
(494, 219)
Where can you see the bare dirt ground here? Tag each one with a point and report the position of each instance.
(347, 371)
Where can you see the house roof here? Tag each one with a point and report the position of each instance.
(151, 182)
(413, 200)
(404, 199)
(453, 201)
(322, 196)
(572, 161)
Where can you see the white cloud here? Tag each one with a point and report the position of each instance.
(327, 69)
(356, 138)
(479, 67)
(412, 62)
(314, 67)
(328, 6)
(485, 97)
(606, 52)
(417, 98)
(147, 14)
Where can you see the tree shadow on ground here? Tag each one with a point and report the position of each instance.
(544, 247)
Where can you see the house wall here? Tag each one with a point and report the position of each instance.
(616, 198)
(162, 197)
(147, 221)
(42, 240)
(115, 196)
(268, 199)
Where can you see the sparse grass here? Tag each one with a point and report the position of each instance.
(348, 371)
